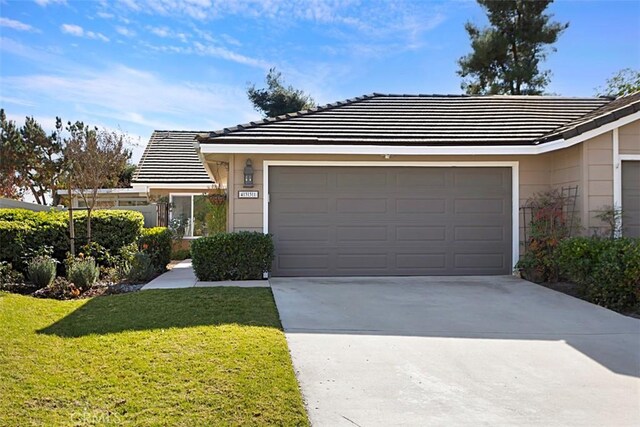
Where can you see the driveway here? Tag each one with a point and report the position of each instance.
(457, 350)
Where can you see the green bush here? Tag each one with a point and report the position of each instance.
(156, 242)
(607, 269)
(232, 256)
(578, 256)
(181, 254)
(21, 229)
(142, 269)
(42, 271)
(83, 272)
(111, 228)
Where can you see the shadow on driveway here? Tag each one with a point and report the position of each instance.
(501, 308)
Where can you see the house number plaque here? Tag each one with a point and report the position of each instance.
(248, 194)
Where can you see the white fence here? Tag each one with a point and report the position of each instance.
(149, 212)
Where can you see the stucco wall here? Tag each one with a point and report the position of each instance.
(597, 180)
(629, 138)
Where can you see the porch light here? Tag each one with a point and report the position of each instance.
(248, 174)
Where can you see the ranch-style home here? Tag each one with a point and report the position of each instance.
(405, 184)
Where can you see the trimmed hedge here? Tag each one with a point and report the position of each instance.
(156, 242)
(243, 255)
(21, 229)
(607, 269)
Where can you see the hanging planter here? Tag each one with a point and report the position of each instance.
(217, 199)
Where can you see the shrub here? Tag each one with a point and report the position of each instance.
(21, 229)
(142, 269)
(181, 254)
(42, 270)
(156, 242)
(83, 272)
(578, 256)
(232, 256)
(111, 228)
(607, 269)
(550, 223)
(615, 282)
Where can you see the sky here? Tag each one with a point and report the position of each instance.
(140, 65)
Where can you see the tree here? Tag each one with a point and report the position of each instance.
(276, 99)
(94, 159)
(126, 176)
(31, 159)
(11, 182)
(624, 82)
(507, 54)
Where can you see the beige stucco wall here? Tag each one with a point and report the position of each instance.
(629, 138)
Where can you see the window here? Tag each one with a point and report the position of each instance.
(197, 214)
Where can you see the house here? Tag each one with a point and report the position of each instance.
(170, 171)
(419, 184)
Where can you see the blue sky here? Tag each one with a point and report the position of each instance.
(140, 65)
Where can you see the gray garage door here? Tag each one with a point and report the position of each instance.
(385, 221)
(631, 198)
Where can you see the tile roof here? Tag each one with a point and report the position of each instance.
(614, 110)
(171, 157)
(382, 119)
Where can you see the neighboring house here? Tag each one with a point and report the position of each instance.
(423, 185)
(170, 171)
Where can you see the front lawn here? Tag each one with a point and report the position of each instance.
(209, 356)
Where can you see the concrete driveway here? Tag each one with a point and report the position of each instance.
(457, 351)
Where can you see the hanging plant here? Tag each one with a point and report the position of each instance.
(217, 198)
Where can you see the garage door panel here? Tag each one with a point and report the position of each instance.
(421, 233)
(355, 233)
(292, 180)
(395, 229)
(414, 178)
(304, 233)
(301, 262)
(354, 181)
(479, 233)
(421, 261)
(362, 205)
(361, 260)
(485, 179)
(479, 261)
(417, 205)
(477, 206)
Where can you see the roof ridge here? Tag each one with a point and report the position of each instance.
(300, 113)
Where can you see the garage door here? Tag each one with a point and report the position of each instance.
(386, 221)
(631, 198)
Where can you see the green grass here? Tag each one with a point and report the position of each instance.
(210, 356)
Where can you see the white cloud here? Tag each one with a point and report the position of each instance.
(160, 31)
(45, 3)
(15, 25)
(78, 31)
(125, 31)
(105, 15)
(130, 96)
(74, 30)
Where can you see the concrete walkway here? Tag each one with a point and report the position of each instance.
(182, 276)
(457, 351)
